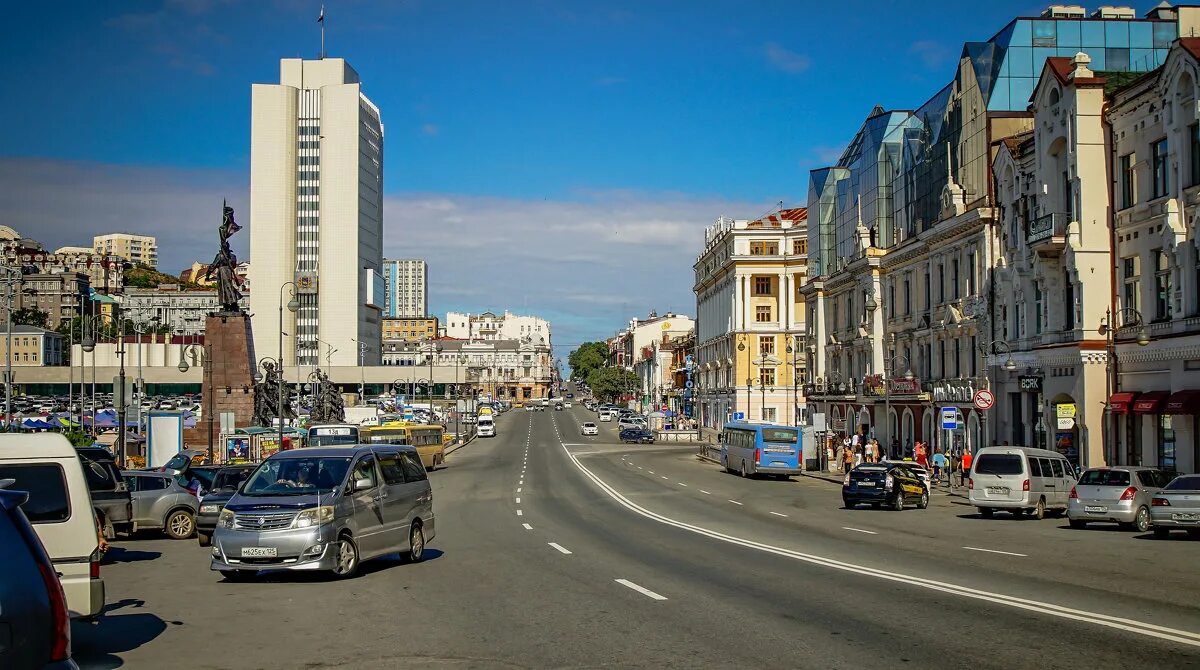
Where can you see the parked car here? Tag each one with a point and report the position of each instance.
(606, 416)
(33, 608)
(637, 435)
(162, 502)
(589, 428)
(110, 496)
(1020, 480)
(631, 422)
(181, 463)
(891, 484)
(46, 466)
(567, 404)
(1118, 494)
(1177, 507)
(326, 509)
(224, 485)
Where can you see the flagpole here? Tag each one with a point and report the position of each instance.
(321, 20)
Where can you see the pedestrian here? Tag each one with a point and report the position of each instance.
(939, 466)
(922, 455)
(848, 456)
(858, 454)
(877, 450)
(966, 464)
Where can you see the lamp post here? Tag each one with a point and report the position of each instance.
(1129, 318)
(119, 398)
(12, 280)
(141, 329)
(293, 305)
(208, 392)
(741, 347)
(889, 370)
(434, 350)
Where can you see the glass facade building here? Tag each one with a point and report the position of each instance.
(894, 172)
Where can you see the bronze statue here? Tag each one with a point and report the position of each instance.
(327, 401)
(266, 397)
(224, 266)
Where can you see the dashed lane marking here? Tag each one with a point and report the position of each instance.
(778, 514)
(527, 526)
(997, 551)
(735, 502)
(640, 589)
(560, 548)
(859, 530)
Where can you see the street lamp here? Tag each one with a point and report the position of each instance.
(209, 392)
(141, 329)
(742, 347)
(889, 369)
(293, 305)
(1128, 318)
(119, 397)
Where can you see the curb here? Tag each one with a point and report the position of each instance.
(451, 451)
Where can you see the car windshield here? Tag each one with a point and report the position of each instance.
(297, 476)
(230, 478)
(1187, 483)
(1105, 477)
(999, 464)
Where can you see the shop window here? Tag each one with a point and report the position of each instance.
(1166, 443)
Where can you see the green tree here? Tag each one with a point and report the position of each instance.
(590, 356)
(31, 316)
(610, 383)
(141, 276)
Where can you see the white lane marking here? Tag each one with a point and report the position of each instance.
(704, 492)
(518, 489)
(778, 514)
(681, 483)
(1185, 637)
(518, 501)
(527, 526)
(860, 530)
(640, 589)
(735, 502)
(650, 471)
(997, 551)
(639, 467)
(664, 476)
(520, 513)
(559, 547)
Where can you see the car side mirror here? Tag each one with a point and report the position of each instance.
(363, 484)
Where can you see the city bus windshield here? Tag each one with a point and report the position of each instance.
(332, 436)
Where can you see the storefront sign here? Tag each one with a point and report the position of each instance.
(904, 386)
(954, 390)
(873, 385)
(1030, 383)
(1065, 410)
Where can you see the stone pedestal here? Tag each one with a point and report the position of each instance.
(228, 385)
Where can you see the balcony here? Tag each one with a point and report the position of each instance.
(1048, 234)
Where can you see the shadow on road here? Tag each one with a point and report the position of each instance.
(387, 562)
(96, 645)
(121, 555)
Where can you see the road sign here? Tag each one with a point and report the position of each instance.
(1065, 410)
(739, 416)
(949, 418)
(984, 399)
(1065, 423)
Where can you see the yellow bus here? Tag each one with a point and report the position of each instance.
(426, 438)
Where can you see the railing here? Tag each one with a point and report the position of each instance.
(1047, 226)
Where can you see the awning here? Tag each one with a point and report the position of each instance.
(1150, 402)
(1183, 402)
(1121, 402)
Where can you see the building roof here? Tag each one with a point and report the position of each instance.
(24, 329)
(1191, 45)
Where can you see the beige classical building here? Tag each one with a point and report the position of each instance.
(32, 346)
(139, 249)
(316, 214)
(750, 319)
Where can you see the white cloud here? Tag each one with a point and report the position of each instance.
(785, 59)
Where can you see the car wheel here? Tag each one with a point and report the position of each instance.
(416, 543)
(898, 504)
(744, 469)
(1039, 512)
(923, 503)
(204, 539)
(238, 575)
(1162, 533)
(850, 505)
(1141, 522)
(346, 559)
(1077, 523)
(179, 525)
(985, 512)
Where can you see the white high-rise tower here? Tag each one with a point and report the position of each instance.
(316, 215)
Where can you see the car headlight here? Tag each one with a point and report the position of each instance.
(314, 516)
(210, 509)
(226, 519)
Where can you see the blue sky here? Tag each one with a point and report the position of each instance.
(574, 151)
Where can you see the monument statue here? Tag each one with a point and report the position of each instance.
(224, 266)
(266, 397)
(327, 401)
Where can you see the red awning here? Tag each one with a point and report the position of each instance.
(1121, 402)
(1183, 402)
(1150, 402)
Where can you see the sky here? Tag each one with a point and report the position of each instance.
(558, 158)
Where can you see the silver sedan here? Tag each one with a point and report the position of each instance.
(1177, 507)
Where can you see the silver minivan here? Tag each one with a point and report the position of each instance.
(326, 508)
(1021, 480)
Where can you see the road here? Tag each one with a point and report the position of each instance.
(557, 550)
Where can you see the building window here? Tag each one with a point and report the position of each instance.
(907, 293)
(972, 357)
(971, 272)
(954, 278)
(1037, 310)
(766, 345)
(762, 286)
(1130, 274)
(957, 357)
(766, 376)
(799, 247)
(941, 277)
(762, 313)
(1162, 286)
(1158, 163)
(769, 414)
(891, 306)
(942, 358)
(1125, 171)
(1068, 302)
(928, 283)
(764, 248)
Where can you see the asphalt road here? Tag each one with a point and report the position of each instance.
(556, 550)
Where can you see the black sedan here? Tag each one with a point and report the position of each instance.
(637, 435)
(890, 484)
(224, 484)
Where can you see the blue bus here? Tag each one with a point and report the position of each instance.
(750, 448)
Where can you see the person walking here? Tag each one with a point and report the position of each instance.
(922, 455)
(939, 466)
(966, 465)
(848, 458)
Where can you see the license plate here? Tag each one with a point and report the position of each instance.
(259, 552)
(871, 484)
(1186, 516)
(1093, 508)
(997, 490)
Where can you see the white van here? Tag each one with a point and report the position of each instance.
(486, 426)
(1021, 480)
(60, 509)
